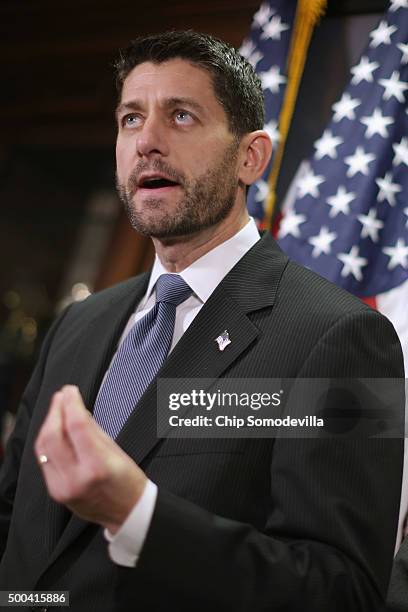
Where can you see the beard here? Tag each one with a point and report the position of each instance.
(206, 201)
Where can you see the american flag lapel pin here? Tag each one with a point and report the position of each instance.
(223, 340)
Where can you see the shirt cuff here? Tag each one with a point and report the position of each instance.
(126, 545)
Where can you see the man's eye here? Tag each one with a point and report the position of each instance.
(130, 121)
(183, 117)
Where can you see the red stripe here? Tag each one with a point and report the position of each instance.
(371, 301)
(276, 224)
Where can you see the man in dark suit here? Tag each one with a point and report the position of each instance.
(231, 524)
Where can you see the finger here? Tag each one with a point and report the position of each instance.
(52, 440)
(41, 442)
(85, 435)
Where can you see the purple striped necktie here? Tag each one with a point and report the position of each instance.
(140, 356)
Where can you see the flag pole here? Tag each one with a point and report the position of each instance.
(308, 13)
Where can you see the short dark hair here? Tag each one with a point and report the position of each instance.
(236, 85)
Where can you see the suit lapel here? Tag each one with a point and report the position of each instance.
(99, 342)
(195, 356)
(250, 286)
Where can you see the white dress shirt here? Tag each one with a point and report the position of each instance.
(203, 276)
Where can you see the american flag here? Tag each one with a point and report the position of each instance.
(349, 219)
(267, 49)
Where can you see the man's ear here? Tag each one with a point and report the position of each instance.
(256, 151)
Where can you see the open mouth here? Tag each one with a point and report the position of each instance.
(156, 183)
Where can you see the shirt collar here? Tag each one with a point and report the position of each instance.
(206, 273)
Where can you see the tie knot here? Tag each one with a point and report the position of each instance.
(171, 288)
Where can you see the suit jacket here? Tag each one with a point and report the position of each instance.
(397, 599)
(240, 524)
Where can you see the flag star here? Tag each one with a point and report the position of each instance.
(382, 35)
(401, 152)
(273, 131)
(326, 145)
(388, 189)
(394, 87)
(377, 124)
(359, 162)
(272, 79)
(340, 202)
(398, 254)
(371, 225)
(263, 14)
(262, 191)
(322, 242)
(247, 47)
(404, 50)
(345, 107)
(352, 263)
(290, 224)
(274, 28)
(363, 71)
(309, 184)
(250, 52)
(396, 4)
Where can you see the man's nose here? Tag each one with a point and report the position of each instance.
(151, 139)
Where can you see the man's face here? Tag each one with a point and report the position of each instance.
(176, 158)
